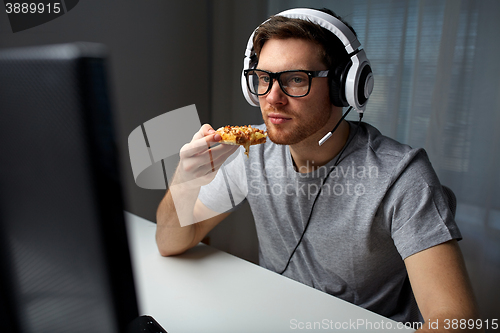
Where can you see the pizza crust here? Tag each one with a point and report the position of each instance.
(242, 135)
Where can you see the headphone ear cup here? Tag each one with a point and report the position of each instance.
(365, 86)
(249, 62)
(252, 99)
(359, 81)
(337, 84)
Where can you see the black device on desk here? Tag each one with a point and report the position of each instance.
(64, 256)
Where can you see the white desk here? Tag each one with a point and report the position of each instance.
(207, 290)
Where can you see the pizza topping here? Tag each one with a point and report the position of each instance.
(242, 135)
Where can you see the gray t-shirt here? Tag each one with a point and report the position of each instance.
(382, 203)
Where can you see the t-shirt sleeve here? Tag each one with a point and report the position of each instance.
(229, 187)
(417, 206)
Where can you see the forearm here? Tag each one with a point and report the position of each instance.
(176, 231)
(177, 227)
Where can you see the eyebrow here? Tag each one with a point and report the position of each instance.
(292, 69)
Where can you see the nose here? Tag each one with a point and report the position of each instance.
(276, 96)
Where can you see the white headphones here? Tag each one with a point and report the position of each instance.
(355, 81)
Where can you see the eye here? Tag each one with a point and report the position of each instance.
(296, 80)
(264, 78)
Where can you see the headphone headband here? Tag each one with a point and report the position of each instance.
(358, 83)
(330, 23)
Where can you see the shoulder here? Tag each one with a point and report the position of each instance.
(381, 144)
(393, 158)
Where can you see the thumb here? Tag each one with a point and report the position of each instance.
(204, 130)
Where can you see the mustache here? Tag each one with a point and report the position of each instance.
(282, 112)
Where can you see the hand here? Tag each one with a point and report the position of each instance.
(199, 162)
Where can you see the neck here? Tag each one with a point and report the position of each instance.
(308, 155)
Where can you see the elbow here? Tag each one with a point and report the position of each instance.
(164, 251)
(172, 241)
(167, 249)
(167, 252)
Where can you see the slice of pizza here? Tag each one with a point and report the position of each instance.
(242, 135)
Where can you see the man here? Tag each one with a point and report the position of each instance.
(361, 216)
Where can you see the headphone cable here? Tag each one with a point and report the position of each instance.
(323, 183)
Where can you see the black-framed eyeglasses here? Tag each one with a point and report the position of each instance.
(294, 83)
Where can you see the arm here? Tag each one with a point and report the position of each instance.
(180, 212)
(441, 286)
(171, 238)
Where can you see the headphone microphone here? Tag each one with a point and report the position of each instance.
(329, 134)
(351, 83)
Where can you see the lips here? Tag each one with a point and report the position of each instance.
(277, 119)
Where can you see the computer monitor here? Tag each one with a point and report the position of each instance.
(64, 256)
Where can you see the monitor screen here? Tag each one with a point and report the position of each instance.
(64, 256)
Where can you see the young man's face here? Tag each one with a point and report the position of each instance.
(290, 120)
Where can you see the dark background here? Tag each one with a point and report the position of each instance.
(164, 55)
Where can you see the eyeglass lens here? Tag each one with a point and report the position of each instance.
(293, 83)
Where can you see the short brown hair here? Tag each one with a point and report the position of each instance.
(280, 27)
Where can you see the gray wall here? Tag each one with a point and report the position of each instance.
(236, 234)
(165, 55)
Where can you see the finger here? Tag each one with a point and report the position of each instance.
(206, 136)
(204, 130)
(222, 157)
(223, 150)
(200, 157)
(197, 166)
(206, 158)
(196, 146)
(200, 145)
(207, 129)
(209, 161)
